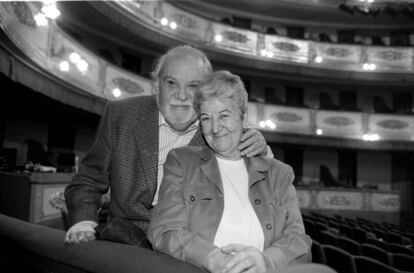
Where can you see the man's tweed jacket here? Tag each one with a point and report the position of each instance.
(124, 158)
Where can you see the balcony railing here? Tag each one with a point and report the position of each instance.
(170, 20)
(61, 56)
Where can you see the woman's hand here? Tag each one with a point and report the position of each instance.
(252, 143)
(244, 259)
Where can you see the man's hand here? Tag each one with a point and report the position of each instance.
(244, 259)
(252, 143)
(81, 232)
(215, 261)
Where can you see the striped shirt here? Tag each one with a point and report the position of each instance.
(168, 140)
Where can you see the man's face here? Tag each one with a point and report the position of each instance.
(177, 84)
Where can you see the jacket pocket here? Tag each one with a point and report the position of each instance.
(193, 194)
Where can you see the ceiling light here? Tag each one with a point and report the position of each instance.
(318, 59)
(262, 124)
(64, 66)
(218, 38)
(51, 11)
(263, 52)
(370, 137)
(319, 132)
(116, 92)
(164, 21)
(40, 19)
(269, 54)
(173, 25)
(74, 57)
(82, 65)
(270, 124)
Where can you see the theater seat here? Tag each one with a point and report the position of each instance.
(310, 228)
(378, 243)
(346, 230)
(360, 235)
(328, 238)
(368, 265)
(339, 259)
(376, 253)
(349, 245)
(307, 268)
(317, 253)
(402, 262)
(397, 248)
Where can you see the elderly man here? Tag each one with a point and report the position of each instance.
(132, 142)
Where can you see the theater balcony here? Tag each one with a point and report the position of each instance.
(330, 86)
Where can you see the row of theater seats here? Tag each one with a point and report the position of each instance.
(359, 229)
(344, 262)
(359, 245)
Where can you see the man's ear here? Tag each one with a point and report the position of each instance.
(155, 87)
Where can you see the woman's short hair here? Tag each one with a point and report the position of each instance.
(222, 85)
(178, 51)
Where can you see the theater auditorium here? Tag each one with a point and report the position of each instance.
(330, 87)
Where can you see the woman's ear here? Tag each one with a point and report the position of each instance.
(245, 120)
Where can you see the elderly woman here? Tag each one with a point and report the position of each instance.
(219, 210)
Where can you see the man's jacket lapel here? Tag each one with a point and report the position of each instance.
(147, 135)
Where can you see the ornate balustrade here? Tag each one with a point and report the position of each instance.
(340, 124)
(170, 20)
(51, 49)
(374, 204)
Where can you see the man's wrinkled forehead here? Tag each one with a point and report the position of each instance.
(183, 59)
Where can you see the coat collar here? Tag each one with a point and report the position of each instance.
(256, 166)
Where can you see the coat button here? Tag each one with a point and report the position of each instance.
(257, 201)
(269, 226)
(192, 198)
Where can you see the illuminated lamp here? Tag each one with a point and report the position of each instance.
(262, 124)
(41, 19)
(64, 66)
(218, 38)
(173, 25)
(318, 59)
(51, 11)
(164, 21)
(116, 92)
(82, 65)
(74, 57)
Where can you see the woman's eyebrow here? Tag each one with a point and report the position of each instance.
(195, 81)
(168, 77)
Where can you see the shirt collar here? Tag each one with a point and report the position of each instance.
(162, 122)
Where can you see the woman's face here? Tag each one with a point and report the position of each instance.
(222, 126)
